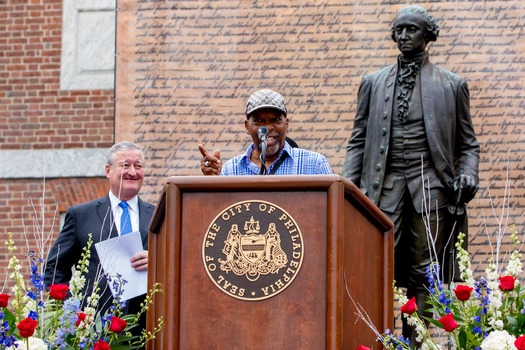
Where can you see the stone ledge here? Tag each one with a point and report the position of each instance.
(18, 164)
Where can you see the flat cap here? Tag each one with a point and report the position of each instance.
(265, 99)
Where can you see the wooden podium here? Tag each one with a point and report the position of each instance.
(336, 234)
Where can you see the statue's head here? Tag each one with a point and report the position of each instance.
(431, 28)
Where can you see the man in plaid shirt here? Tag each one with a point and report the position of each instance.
(266, 108)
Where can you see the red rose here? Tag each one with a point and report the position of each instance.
(506, 283)
(117, 325)
(448, 322)
(362, 347)
(80, 318)
(519, 343)
(27, 327)
(410, 306)
(101, 345)
(4, 300)
(58, 291)
(463, 292)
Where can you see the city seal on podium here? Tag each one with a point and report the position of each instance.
(253, 250)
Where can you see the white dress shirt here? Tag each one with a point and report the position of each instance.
(133, 208)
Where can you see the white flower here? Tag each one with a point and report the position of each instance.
(498, 340)
(465, 267)
(34, 344)
(514, 266)
(429, 345)
(497, 324)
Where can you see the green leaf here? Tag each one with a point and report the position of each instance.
(462, 338)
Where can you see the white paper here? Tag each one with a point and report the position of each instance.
(115, 255)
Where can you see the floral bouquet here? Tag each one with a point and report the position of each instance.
(53, 319)
(487, 313)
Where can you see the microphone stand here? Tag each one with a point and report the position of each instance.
(262, 157)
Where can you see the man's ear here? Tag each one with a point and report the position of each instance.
(247, 126)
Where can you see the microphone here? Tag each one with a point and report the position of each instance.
(262, 133)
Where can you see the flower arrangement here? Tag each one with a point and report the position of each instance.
(487, 313)
(54, 319)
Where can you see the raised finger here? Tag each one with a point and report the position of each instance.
(203, 150)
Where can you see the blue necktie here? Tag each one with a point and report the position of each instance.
(125, 220)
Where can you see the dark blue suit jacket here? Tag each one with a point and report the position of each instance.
(93, 217)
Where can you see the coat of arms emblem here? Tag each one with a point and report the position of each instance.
(253, 253)
(253, 250)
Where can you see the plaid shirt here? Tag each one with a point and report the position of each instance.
(298, 162)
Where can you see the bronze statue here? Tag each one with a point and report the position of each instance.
(413, 150)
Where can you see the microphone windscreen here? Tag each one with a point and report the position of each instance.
(262, 132)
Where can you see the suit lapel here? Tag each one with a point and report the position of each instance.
(390, 86)
(145, 214)
(428, 89)
(105, 214)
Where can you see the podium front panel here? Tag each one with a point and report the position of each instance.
(289, 319)
(346, 247)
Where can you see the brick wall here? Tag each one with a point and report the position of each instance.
(31, 208)
(36, 114)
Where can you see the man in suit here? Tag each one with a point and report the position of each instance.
(103, 218)
(413, 150)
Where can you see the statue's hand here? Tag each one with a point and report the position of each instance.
(465, 188)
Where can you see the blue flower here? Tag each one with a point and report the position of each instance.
(36, 278)
(71, 305)
(393, 341)
(435, 286)
(31, 295)
(6, 340)
(477, 329)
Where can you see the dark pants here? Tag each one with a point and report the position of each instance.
(419, 239)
